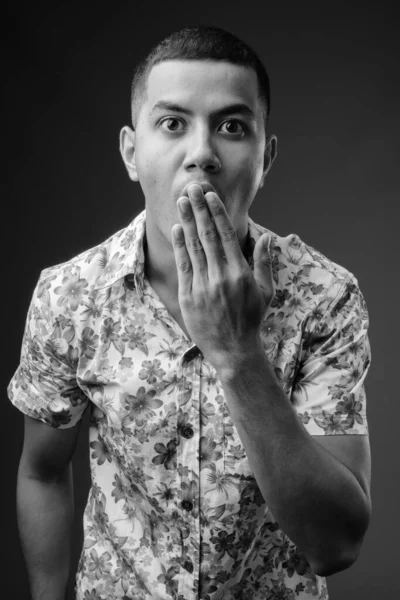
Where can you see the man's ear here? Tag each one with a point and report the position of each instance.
(127, 148)
(270, 152)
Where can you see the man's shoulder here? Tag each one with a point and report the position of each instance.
(89, 264)
(300, 271)
(66, 287)
(298, 256)
(100, 264)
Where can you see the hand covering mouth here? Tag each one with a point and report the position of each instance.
(205, 186)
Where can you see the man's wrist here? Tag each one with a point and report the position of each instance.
(243, 361)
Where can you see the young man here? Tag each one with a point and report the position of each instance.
(217, 359)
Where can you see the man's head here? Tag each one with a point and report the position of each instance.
(200, 43)
(204, 71)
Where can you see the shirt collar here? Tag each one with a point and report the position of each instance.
(124, 258)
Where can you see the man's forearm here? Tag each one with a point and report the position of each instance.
(316, 499)
(45, 511)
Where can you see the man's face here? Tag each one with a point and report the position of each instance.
(199, 143)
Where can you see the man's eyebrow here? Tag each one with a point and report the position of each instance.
(238, 107)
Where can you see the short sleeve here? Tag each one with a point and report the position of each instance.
(44, 385)
(329, 389)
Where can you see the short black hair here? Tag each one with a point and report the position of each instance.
(202, 42)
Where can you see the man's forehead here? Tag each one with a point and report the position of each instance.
(188, 77)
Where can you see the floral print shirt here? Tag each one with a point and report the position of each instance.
(174, 510)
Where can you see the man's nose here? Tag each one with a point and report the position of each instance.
(201, 151)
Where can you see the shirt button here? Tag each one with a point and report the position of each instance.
(188, 565)
(187, 431)
(130, 281)
(187, 505)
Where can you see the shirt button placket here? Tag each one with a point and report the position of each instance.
(188, 457)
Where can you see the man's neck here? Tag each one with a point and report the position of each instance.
(160, 272)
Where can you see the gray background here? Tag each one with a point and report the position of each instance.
(335, 98)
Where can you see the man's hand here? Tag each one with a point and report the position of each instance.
(221, 301)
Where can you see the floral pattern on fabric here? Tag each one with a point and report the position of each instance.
(174, 510)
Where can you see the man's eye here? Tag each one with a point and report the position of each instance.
(235, 123)
(171, 119)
